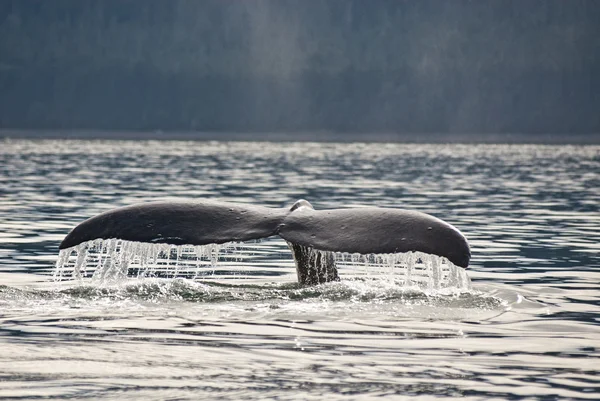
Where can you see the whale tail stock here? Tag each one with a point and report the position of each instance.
(312, 235)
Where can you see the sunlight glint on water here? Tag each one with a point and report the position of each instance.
(238, 326)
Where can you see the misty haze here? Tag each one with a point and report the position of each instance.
(353, 67)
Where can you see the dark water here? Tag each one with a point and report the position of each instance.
(528, 328)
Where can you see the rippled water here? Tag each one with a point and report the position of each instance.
(529, 327)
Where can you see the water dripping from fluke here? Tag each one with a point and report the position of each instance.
(112, 261)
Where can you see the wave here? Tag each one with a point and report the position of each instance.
(169, 290)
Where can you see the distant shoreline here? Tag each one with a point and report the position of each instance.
(315, 136)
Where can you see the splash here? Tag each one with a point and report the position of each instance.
(113, 260)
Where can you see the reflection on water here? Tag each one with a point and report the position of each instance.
(528, 327)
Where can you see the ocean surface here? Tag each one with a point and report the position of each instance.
(237, 325)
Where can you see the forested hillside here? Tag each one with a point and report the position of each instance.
(278, 65)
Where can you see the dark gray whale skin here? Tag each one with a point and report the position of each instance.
(180, 223)
(375, 230)
(360, 230)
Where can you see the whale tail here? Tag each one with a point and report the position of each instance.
(312, 235)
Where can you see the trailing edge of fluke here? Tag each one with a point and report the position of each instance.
(363, 230)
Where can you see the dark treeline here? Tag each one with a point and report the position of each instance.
(277, 65)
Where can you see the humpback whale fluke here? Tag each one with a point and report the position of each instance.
(312, 235)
